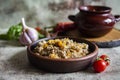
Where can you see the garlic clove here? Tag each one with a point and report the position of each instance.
(28, 35)
(24, 39)
(33, 34)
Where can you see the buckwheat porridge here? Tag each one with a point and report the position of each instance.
(61, 48)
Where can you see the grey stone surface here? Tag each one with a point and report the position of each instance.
(14, 65)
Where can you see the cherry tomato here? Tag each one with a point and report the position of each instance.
(106, 58)
(38, 29)
(64, 26)
(99, 65)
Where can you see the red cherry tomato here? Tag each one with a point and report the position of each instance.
(38, 29)
(106, 58)
(64, 26)
(99, 65)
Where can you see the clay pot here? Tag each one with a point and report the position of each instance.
(94, 21)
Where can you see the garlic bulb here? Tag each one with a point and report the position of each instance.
(28, 35)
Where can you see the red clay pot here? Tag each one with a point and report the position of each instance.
(95, 21)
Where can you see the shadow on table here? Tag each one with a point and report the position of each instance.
(4, 43)
(19, 63)
(89, 70)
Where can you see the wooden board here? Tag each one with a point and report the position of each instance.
(112, 39)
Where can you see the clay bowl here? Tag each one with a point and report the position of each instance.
(62, 65)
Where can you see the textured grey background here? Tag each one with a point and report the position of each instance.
(44, 12)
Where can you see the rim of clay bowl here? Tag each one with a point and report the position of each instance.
(91, 54)
(100, 9)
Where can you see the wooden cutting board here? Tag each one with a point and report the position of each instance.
(112, 39)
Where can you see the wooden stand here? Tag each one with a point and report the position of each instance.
(112, 39)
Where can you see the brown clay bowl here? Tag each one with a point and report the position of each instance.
(62, 65)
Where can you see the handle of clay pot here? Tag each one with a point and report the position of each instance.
(117, 18)
(72, 18)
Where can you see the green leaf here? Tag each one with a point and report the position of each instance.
(41, 35)
(13, 33)
(3, 37)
